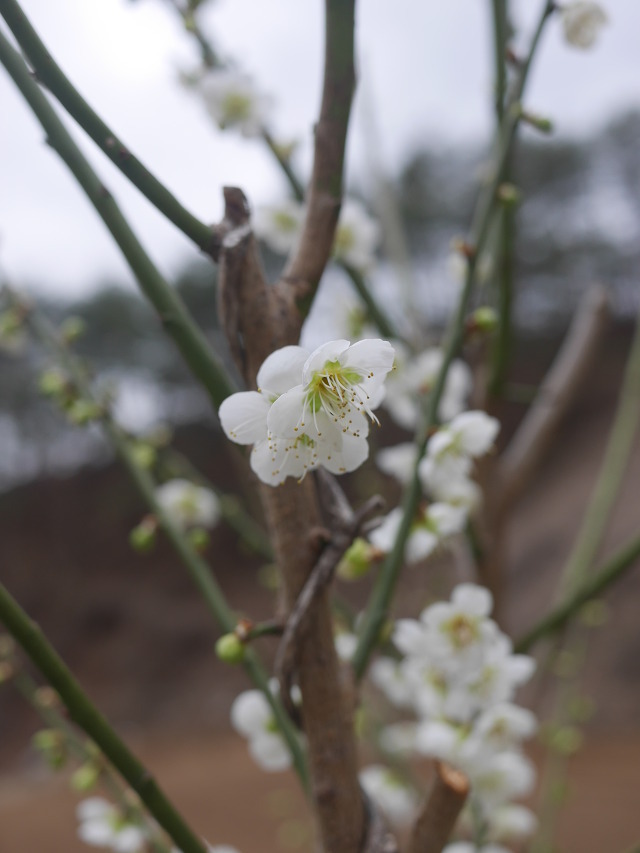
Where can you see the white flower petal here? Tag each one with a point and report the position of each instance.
(282, 370)
(330, 351)
(287, 416)
(420, 544)
(398, 461)
(473, 599)
(370, 355)
(270, 752)
(250, 713)
(244, 417)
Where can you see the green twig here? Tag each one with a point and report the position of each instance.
(612, 570)
(612, 471)
(197, 567)
(86, 715)
(378, 606)
(174, 316)
(51, 75)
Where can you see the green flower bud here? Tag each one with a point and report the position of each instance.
(594, 614)
(81, 412)
(356, 561)
(86, 777)
(144, 455)
(143, 537)
(199, 539)
(10, 324)
(72, 328)
(484, 320)
(6, 671)
(53, 382)
(509, 195)
(51, 744)
(230, 649)
(566, 740)
(544, 125)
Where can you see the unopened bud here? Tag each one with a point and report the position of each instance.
(357, 560)
(509, 195)
(143, 537)
(199, 539)
(230, 649)
(144, 455)
(566, 740)
(544, 125)
(483, 321)
(72, 328)
(7, 646)
(81, 412)
(50, 744)
(46, 697)
(53, 383)
(86, 777)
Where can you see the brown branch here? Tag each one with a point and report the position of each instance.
(440, 812)
(340, 539)
(259, 319)
(324, 195)
(556, 396)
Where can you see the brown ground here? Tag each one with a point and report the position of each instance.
(140, 640)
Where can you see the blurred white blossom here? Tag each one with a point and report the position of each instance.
(393, 797)
(101, 824)
(582, 22)
(252, 717)
(232, 100)
(279, 225)
(357, 236)
(187, 504)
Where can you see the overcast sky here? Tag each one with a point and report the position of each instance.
(425, 70)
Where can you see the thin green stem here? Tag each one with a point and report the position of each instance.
(500, 34)
(384, 588)
(86, 715)
(611, 571)
(173, 314)
(197, 567)
(612, 471)
(51, 75)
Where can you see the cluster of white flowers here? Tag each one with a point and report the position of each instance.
(357, 233)
(187, 504)
(395, 799)
(310, 409)
(102, 824)
(445, 473)
(232, 100)
(459, 675)
(582, 22)
(414, 378)
(252, 717)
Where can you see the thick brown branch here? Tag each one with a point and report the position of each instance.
(440, 812)
(556, 395)
(259, 319)
(324, 195)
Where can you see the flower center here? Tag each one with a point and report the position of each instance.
(345, 240)
(462, 630)
(236, 107)
(285, 222)
(335, 389)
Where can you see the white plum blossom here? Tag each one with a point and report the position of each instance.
(393, 797)
(232, 100)
(415, 377)
(187, 504)
(398, 461)
(310, 408)
(279, 225)
(357, 236)
(431, 527)
(252, 717)
(388, 675)
(469, 435)
(101, 824)
(345, 644)
(582, 22)
(511, 822)
(458, 675)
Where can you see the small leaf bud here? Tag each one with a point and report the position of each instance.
(509, 195)
(357, 560)
(143, 537)
(86, 777)
(71, 329)
(230, 649)
(544, 125)
(144, 455)
(199, 539)
(483, 321)
(81, 412)
(53, 383)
